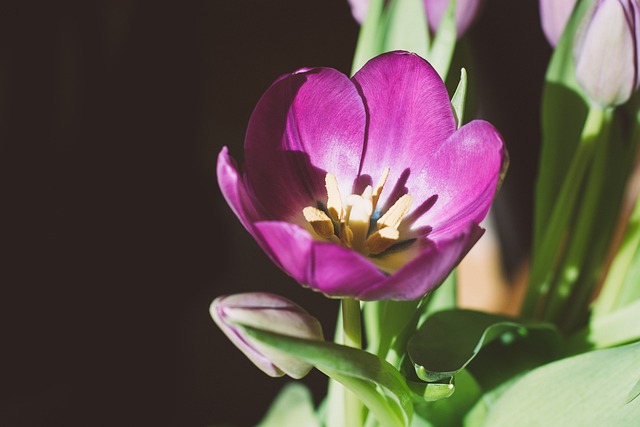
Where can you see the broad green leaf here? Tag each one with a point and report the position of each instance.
(633, 393)
(370, 38)
(293, 407)
(586, 390)
(459, 98)
(380, 387)
(620, 327)
(407, 27)
(449, 340)
(444, 42)
(449, 412)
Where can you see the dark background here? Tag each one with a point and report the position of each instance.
(115, 238)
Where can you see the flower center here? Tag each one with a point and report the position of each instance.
(349, 222)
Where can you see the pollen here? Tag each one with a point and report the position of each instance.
(348, 221)
(334, 199)
(394, 215)
(319, 220)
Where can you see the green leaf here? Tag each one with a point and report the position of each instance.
(450, 412)
(380, 387)
(293, 407)
(449, 340)
(444, 42)
(591, 389)
(620, 327)
(459, 98)
(563, 113)
(633, 393)
(407, 27)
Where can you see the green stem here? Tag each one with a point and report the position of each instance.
(352, 337)
(548, 253)
(580, 242)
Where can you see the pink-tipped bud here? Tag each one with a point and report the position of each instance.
(554, 15)
(606, 51)
(271, 313)
(466, 11)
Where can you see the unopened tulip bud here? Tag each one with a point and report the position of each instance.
(554, 15)
(466, 11)
(270, 313)
(606, 51)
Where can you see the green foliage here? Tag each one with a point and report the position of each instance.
(293, 407)
(376, 383)
(449, 340)
(592, 389)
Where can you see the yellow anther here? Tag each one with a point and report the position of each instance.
(360, 210)
(320, 222)
(334, 200)
(346, 235)
(394, 215)
(382, 240)
(379, 186)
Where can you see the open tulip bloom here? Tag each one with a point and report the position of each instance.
(369, 189)
(364, 187)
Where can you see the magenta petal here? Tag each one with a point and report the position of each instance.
(464, 173)
(410, 116)
(234, 190)
(307, 124)
(427, 271)
(326, 267)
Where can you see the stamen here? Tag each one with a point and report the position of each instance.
(320, 222)
(379, 186)
(368, 194)
(346, 235)
(394, 215)
(382, 240)
(334, 200)
(360, 210)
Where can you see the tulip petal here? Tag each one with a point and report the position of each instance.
(466, 11)
(323, 266)
(464, 173)
(234, 191)
(249, 350)
(410, 115)
(426, 271)
(554, 15)
(307, 124)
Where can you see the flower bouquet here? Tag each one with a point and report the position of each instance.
(371, 189)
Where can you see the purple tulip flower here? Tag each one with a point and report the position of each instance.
(554, 15)
(364, 187)
(270, 313)
(466, 11)
(606, 51)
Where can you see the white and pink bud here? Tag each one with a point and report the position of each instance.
(271, 313)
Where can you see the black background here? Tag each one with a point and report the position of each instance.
(115, 238)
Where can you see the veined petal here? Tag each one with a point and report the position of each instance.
(464, 173)
(325, 267)
(410, 115)
(234, 190)
(307, 124)
(427, 270)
